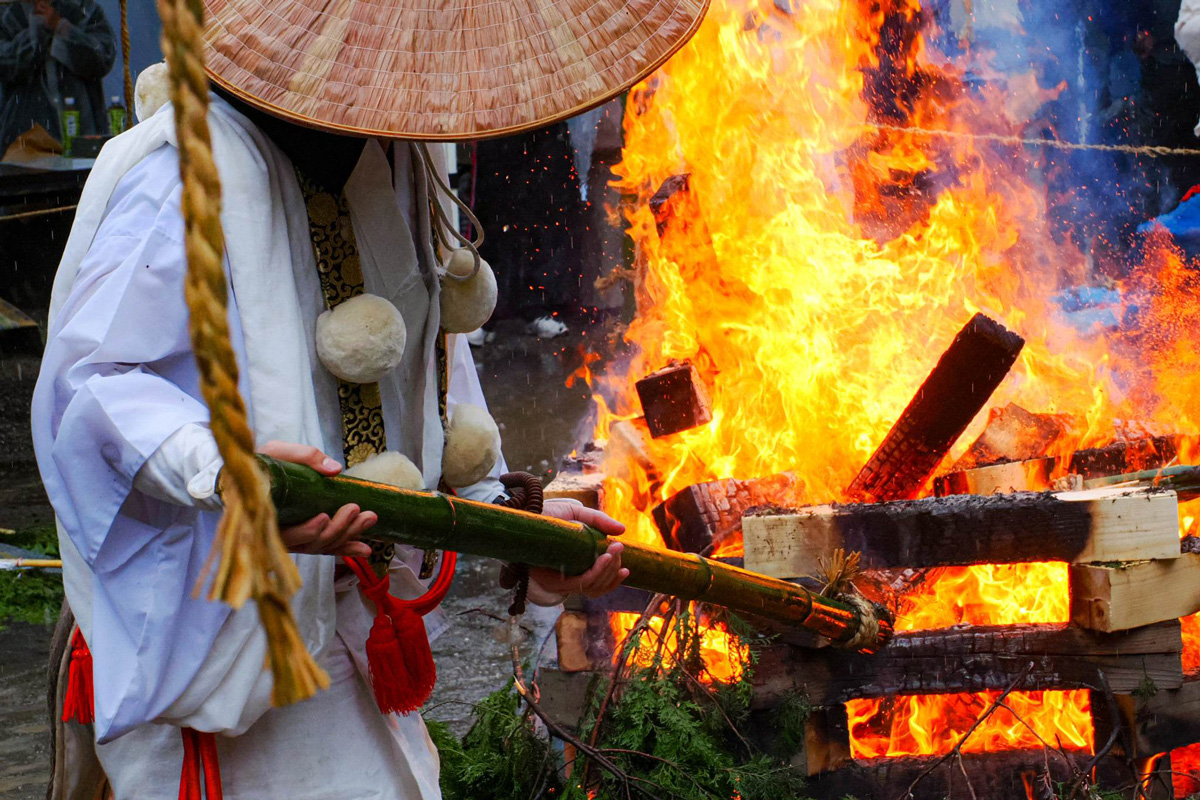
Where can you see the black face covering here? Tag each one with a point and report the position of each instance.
(326, 158)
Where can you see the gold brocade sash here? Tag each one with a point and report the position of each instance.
(340, 270)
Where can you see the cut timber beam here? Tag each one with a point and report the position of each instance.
(1013, 476)
(974, 659)
(955, 391)
(1121, 457)
(995, 776)
(674, 399)
(1157, 721)
(704, 515)
(1116, 598)
(1077, 527)
(585, 487)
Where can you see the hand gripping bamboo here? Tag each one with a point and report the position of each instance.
(433, 521)
(252, 561)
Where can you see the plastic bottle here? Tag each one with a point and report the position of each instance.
(116, 116)
(70, 124)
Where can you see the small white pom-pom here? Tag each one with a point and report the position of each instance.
(153, 91)
(472, 446)
(467, 304)
(390, 468)
(362, 339)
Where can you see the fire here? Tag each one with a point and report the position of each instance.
(824, 259)
(934, 724)
(721, 654)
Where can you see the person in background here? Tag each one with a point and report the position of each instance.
(52, 50)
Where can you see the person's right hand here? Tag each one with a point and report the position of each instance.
(321, 534)
(47, 13)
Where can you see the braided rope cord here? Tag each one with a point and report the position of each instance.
(125, 50)
(252, 561)
(1151, 150)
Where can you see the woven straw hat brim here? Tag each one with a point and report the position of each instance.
(439, 70)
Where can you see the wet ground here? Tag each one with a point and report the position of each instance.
(540, 418)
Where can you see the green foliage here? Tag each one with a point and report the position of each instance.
(673, 736)
(500, 758)
(789, 718)
(33, 596)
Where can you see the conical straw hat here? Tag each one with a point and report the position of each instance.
(439, 69)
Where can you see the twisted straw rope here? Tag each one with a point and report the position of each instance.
(125, 50)
(1152, 150)
(254, 565)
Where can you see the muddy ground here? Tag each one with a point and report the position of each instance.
(541, 420)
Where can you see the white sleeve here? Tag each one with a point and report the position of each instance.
(183, 470)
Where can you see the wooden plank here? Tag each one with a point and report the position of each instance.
(974, 659)
(1013, 476)
(700, 518)
(1116, 598)
(585, 487)
(1121, 457)
(1013, 434)
(956, 390)
(1161, 719)
(1076, 527)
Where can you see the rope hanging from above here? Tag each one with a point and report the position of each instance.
(251, 561)
(125, 51)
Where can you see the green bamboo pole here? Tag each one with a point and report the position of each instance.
(1184, 480)
(434, 521)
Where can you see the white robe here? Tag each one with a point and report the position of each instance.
(122, 444)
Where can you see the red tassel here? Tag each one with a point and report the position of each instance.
(189, 774)
(418, 661)
(79, 701)
(398, 654)
(385, 658)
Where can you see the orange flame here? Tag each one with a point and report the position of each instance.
(721, 654)
(822, 263)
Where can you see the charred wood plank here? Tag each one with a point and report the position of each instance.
(956, 390)
(674, 399)
(1121, 457)
(974, 659)
(1008, 774)
(1013, 434)
(1077, 527)
(703, 516)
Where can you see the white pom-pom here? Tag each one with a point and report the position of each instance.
(467, 304)
(362, 339)
(153, 91)
(472, 446)
(391, 468)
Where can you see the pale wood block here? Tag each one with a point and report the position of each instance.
(1124, 596)
(571, 634)
(586, 487)
(1077, 527)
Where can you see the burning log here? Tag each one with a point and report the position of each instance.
(1013, 434)
(1115, 598)
(956, 390)
(1007, 775)
(1077, 527)
(975, 659)
(703, 516)
(674, 399)
(434, 521)
(1120, 457)
(1014, 476)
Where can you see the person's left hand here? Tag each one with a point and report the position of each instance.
(47, 13)
(605, 574)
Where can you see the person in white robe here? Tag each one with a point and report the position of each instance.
(129, 464)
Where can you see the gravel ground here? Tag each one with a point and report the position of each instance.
(541, 420)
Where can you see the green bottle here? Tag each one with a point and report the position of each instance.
(70, 124)
(116, 116)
